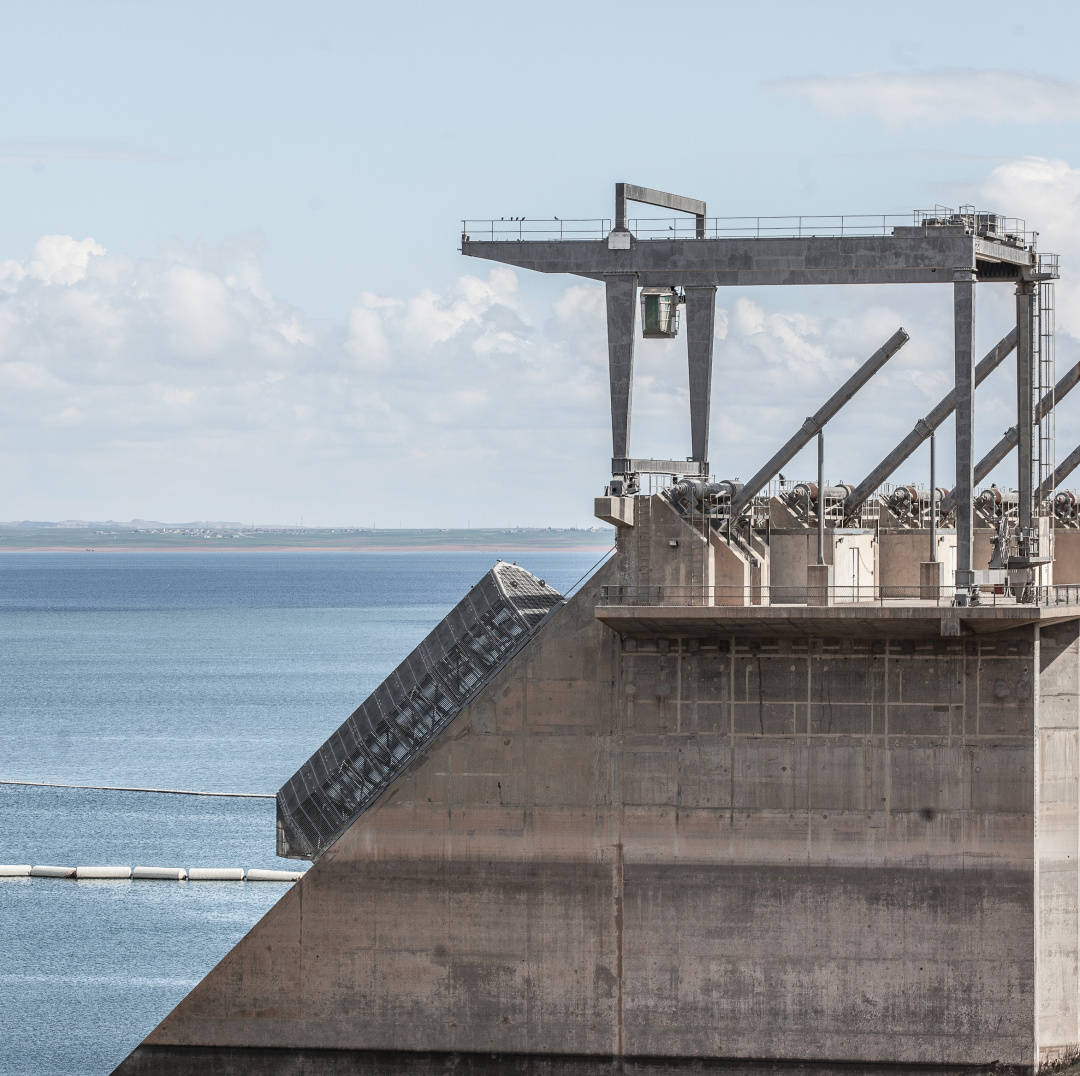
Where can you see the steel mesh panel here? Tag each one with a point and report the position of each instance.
(405, 713)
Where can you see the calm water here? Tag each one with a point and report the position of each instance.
(211, 671)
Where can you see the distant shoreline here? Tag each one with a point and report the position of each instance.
(210, 537)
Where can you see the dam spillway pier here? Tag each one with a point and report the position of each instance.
(781, 783)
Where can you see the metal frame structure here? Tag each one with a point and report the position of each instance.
(940, 246)
(814, 425)
(925, 428)
(1011, 437)
(410, 708)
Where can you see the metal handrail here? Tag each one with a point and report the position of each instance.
(839, 225)
(1049, 264)
(696, 596)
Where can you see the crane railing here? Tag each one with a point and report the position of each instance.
(838, 225)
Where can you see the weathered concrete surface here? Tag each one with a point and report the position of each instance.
(166, 1061)
(1057, 705)
(209, 1061)
(902, 620)
(851, 553)
(902, 552)
(923, 257)
(1066, 555)
(647, 557)
(696, 845)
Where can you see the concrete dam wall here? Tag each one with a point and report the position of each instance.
(682, 842)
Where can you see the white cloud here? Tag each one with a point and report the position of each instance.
(181, 386)
(749, 317)
(178, 397)
(197, 311)
(28, 376)
(59, 259)
(183, 377)
(1047, 194)
(720, 326)
(367, 341)
(939, 98)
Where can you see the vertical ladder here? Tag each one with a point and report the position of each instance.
(1044, 448)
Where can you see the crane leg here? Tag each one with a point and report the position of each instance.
(964, 363)
(700, 321)
(621, 298)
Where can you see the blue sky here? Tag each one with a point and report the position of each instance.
(229, 283)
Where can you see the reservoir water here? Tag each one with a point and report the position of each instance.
(209, 671)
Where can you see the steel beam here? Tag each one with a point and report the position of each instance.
(924, 428)
(820, 497)
(814, 424)
(1025, 390)
(964, 367)
(624, 466)
(630, 192)
(700, 322)
(621, 301)
(741, 262)
(933, 499)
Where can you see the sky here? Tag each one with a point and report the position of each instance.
(230, 283)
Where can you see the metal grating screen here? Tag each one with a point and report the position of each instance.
(409, 709)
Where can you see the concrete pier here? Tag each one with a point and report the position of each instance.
(715, 835)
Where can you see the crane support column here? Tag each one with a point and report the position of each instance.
(621, 299)
(1025, 390)
(933, 499)
(700, 320)
(964, 364)
(820, 497)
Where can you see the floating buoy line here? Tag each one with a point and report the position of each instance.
(149, 874)
(157, 874)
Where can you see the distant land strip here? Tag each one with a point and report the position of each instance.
(159, 791)
(78, 536)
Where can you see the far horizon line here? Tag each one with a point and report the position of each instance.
(233, 525)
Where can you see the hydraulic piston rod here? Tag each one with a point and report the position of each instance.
(813, 425)
(924, 427)
(1012, 436)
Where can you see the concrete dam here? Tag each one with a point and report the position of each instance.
(789, 784)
